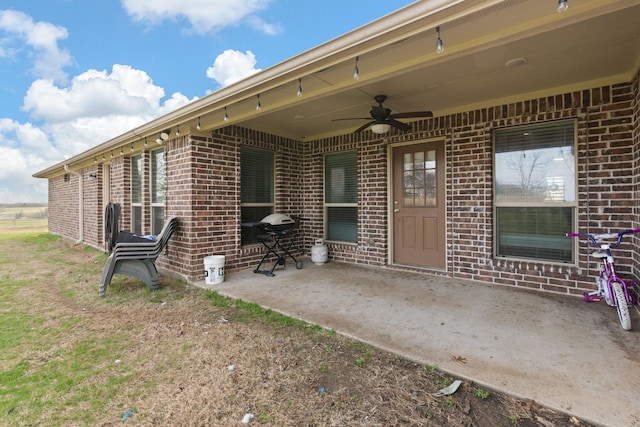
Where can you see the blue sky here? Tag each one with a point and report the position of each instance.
(75, 73)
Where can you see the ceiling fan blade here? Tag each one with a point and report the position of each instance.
(411, 115)
(398, 125)
(363, 127)
(352, 118)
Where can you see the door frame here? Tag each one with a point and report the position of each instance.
(390, 216)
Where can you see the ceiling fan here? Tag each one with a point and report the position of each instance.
(382, 120)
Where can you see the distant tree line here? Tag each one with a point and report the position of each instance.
(23, 205)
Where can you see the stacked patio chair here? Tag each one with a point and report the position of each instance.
(137, 258)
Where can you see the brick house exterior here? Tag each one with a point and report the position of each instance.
(202, 188)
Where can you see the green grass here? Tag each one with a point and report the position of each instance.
(251, 310)
(482, 394)
(50, 374)
(41, 379)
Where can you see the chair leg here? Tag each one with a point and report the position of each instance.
(144, 270)
(107, 274)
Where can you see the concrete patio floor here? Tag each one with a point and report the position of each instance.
(557, 350)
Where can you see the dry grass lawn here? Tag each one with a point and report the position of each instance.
(183, 356)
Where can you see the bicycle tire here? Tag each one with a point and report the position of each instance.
(621, 305)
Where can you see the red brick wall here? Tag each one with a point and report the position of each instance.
(63, 206)
(202, 188)
(64, 214)
(606, 177)
(635, 87)
(92, 207)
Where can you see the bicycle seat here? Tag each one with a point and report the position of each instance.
(599, 254)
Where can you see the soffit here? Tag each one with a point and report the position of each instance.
(595, 42)
(564, 52)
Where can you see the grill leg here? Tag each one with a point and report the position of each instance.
(266, 239)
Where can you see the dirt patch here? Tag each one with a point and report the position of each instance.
(185, 357)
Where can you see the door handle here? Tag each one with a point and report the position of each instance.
(396, 210)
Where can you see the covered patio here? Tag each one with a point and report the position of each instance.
(556, 350)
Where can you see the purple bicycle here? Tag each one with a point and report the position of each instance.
(616, 291)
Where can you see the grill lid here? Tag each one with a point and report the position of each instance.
(278, 219)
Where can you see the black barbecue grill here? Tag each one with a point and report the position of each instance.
(277, 232)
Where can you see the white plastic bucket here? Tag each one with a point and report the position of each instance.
(214, 269)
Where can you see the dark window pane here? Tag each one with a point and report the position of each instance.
(257, 175)
(137, 219)
(136, 179)
(342, 224)
(157, 219)
(250, 215)
(530, 232)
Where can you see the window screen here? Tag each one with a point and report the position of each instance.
(136, 194)
(341, 196)
(257, 187)
(157, 190)
(535, 190)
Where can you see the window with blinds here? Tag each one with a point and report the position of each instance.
(136, 194)
(535, 190)
(257, 187)
(157, 190)
(341, 196)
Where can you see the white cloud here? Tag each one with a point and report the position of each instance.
(231, 66)
(264, 27)
(95, 107)
(94, 94)
(40, 38)
(203, 15)
(23, 150)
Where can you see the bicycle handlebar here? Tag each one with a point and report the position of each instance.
(595, 237)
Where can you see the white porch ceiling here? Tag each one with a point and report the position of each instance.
(594, 42)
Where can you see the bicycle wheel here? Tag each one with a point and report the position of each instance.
(621, 305)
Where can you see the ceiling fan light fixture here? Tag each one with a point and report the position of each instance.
(380, 128)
